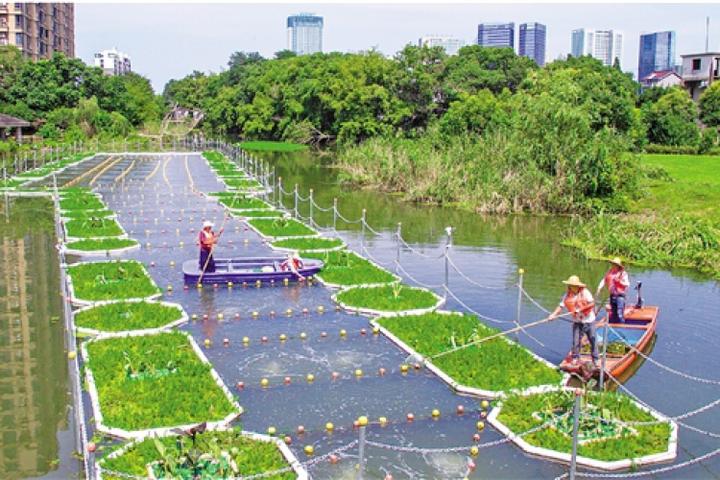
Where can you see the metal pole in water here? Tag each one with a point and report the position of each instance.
(521, 273)
(576, 426)
(362, 230)
(361, 447)
(397, 252)
(279, 185)
(296, 201)
(335, 212)
(448, 244)
(311, 207)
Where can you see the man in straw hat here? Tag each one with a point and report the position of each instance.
(617, 282)
(208, 239)
(579, 302)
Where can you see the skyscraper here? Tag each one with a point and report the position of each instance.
(657, 53)
(532, 41)
(496, 35)
(451, 45)
(605, 45)
(113, 62)
(38, 29)
(304, 33)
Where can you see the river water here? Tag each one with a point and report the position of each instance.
(158, 206)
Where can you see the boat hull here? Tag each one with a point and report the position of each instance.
(248, 270)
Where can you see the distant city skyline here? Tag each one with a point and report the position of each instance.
(164, 41)
(304, 33)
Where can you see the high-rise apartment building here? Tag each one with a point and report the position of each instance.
(532, 41)
(657, 53)
(113, 62)
(496, 35)
(304, 33)
(451, 45)
(38, 29)
(605, 45)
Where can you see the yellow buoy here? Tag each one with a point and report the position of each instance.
(343, 333)
(435, 413)
(376, 330)
(310, 377)
(207, 342)
(309, 450)
(303, 335)
(358, 373)
(283, 337)
(255, 313)
(220, 316)
(169, 288)
(404, 368)
(172, 263)
(485, 404)
(480, 425)
(288, 312)
(383, 421)
(321, 309)
(474, 451)
(329, 427)
(271, 431)
(264, 382)
(246, 340)
(362, 421)
(72, 354)
(194, 316)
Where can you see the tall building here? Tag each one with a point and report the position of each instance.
(113, 62)
(451, 45)
(304, 33)
(699, 71)
(532, 41)
(657, 53)
(605, 45)
(38, 29)
(496, 35)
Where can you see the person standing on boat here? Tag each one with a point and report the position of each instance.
(208, 240)
(617, 282)
(579, 302)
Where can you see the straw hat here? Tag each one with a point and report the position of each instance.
(617, 261)
(573, 281)
(207, 223)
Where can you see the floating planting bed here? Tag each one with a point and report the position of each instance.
(119, 280)
(137, 316)
(487, 368)
(388, 300)
(312, 244)
(81, 202)
(87, 214)
(241, 202)
(346, 269)
(241, 183)
(142, 385)
(260, 213)
(269, 146)
(281, 227)
(10, 183)
(214, 454)
(101, 245)
(608, 439)
(93, 227)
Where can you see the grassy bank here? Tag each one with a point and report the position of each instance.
(496, 365)
(268, 146)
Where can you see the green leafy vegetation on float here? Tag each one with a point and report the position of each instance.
(154, 381)
(111, 281)
(241, 183)
(347, 268)
(101, 244)
(10, 183)
(269, 146)
(281, 227)
(315, 243)
(251, 456)
(242, 202)
(387, 298)
(261, 213)
(93, 227)
(81, 202)
(123, 316)
(87, 214)
(217, 160)
(522, 413)
(496, 365)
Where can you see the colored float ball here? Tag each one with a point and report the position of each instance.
(309, 450)
(417, 366)
(244, 284)
(334, 459)
(258, 284)
(358, 373)
(362, 421)
(226, 341)
(356, 424)
(207, 342)
(300, 429)
(303, 335)
(286, 282)
(91, 447)
(410, 417)
(471, 465)
(216, 286)
(480, 425)
(476, 437)
(185, 287)
(404, 368)
(271, 430)
(152, 264)
(206, 316)
(388, 477)
(272, 313)
(305, 311)
(237, 315)
(329, 427)
(321, 309)
(287, 380)
(246, 241)
(264, 382)
(220, 316)
(485, 404)
(310, 377)
(199, 286)
(343, 333)
(335, 375)
(246, 340)
(172, 263)
(363, 331)
(381, 371)
(229, 284)
(72, 355)
(376, 330)
(287, 440)
(460, 409)
(264, 339)
(474, 451)
(323, 334)
(483, 414)
(288, 312)
(240, 385)
(255, 314)
(383, 421)
(435, 413)
(283, 337)
(182, 244)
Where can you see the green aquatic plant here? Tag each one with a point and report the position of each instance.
(312, 243)
(240, 201)
(102, 244)
(346, 268)
(124, 316)
(185, 395)
(495, 365)
(81, 202)
(268, 146)
(261, 213)
(281, 227)
(387, 298)
(111, 281)
(90, 227)
(87, 214)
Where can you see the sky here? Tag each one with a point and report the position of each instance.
(166, 41)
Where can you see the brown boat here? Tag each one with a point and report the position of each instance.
(638, 331)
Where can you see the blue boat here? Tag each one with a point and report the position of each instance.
(250, 270)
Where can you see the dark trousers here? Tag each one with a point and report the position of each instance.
(206, 256)
(617, 308)
(578, 330)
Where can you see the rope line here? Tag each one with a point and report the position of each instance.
(475, 312)
(431, 287)
(470, 280)
(417, 252)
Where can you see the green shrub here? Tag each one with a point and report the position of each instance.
(390, 298)
(154, 381)
(496, 365)
(111, 281)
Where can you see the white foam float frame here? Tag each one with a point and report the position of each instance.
(132, 333)
(562, 457)
(158, 431)
(79, 302)
(451, 382)
(382, 313)
(293, 461)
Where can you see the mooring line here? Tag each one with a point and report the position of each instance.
(108, 167)
(164, 173)
(125, 172)
(155, 170)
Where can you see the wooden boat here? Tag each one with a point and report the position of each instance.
(238, 270)
(638, 331)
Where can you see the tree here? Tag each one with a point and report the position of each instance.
(241, 59)
(710, 105)
(473, 114)
(283, 54)
(672, 119)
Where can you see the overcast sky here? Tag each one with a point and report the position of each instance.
(168, 41)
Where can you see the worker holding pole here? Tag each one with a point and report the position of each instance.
(208, 239)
